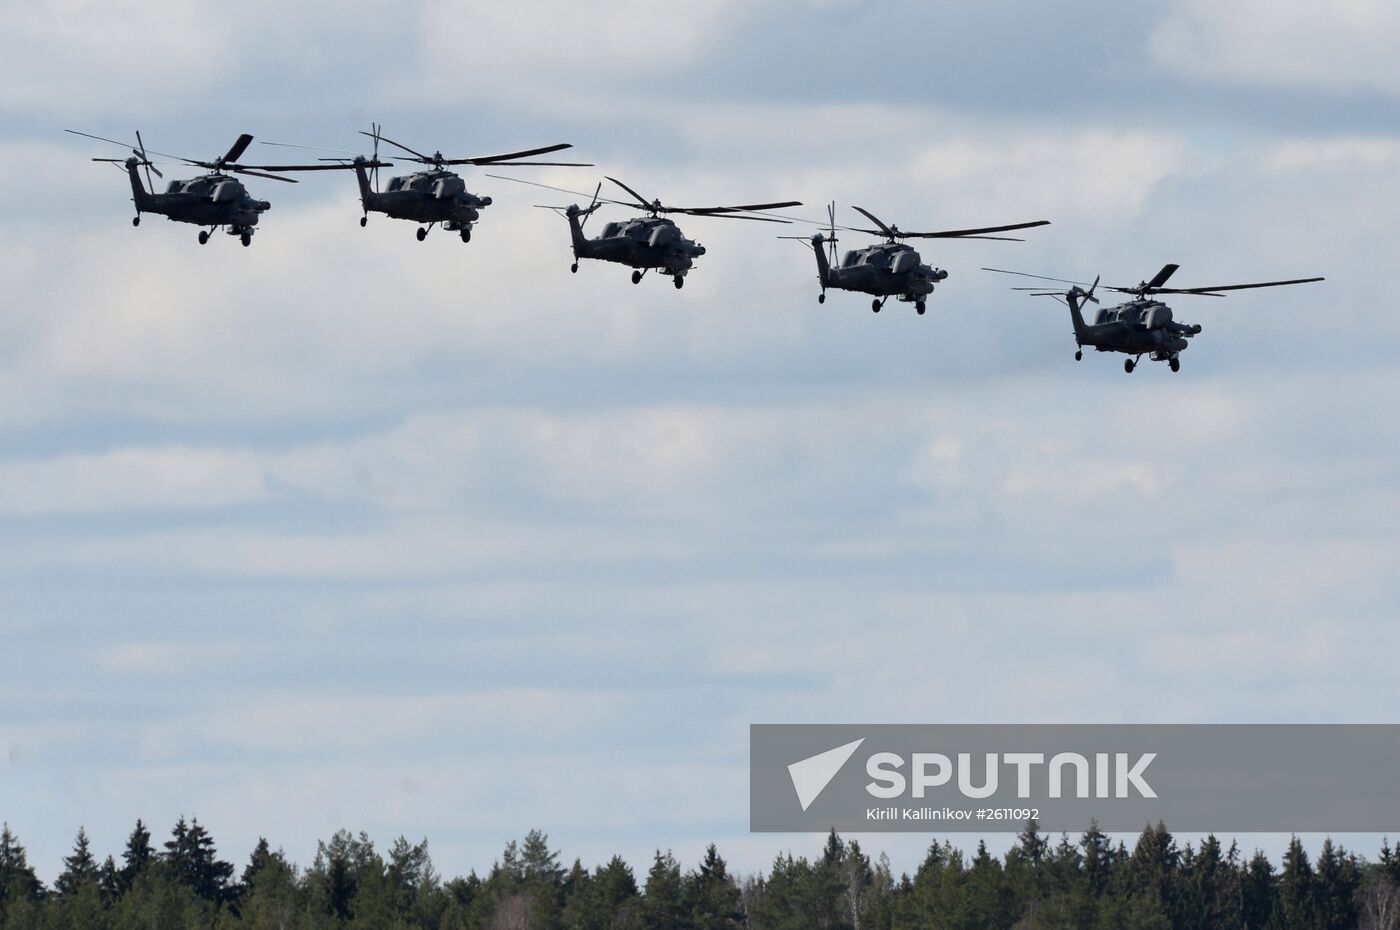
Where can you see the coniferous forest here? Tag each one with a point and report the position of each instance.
(181, 883)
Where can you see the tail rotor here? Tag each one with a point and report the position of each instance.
(831, 232)
(140, 152)
(375, 161)
(1088, 295)
(592, 205)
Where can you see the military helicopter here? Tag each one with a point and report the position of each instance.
(650, 242)
(434, 196)
(213, 199)
(891, 268)
(1141, 325)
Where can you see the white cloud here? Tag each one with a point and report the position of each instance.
(130, 478)
(1342, 45)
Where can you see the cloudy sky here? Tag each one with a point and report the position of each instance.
(345, 530)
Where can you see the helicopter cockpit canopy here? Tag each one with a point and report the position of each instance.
(448, 185)
(903, 260)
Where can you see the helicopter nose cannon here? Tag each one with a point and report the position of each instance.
(939, 274)
(1195, 329)
(486, 201)
(262, 205)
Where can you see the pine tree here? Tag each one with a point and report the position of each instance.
(1295, 887)
(79, 868)
(136, 857)
(538, 862)
(1098, 859)
(109, 881)
(1259, 894)
(714, 897)
(1023, 868)
(1153, 871)
(990, 902)
(335, 873)
(193, 860)
(663, 898)
(411, 878)
(17, 879)
(271, 896)
(581, 908)
(1335, 884)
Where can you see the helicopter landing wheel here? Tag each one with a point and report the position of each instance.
(636, 277)
(875, 306)
(422, 233)
(1129, 365)
(466, 234)
(573, 269)
(678, 281)
(136, 221)
(919, 308)
(821, 298)
(203, 236)
(364, 221)
(1175, 364)
(247, 239)
(1079, 355)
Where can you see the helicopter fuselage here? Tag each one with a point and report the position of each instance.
(645, 242)
(430, 197)
(1138, 327)
(208, 200)
(889, 269)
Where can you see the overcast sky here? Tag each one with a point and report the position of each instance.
(348, 530)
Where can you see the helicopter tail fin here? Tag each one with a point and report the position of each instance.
(823, 265)
(362, 176)
(139, 194)
(576, 229)
(1077, 297)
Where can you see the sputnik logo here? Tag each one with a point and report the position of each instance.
(811, 775)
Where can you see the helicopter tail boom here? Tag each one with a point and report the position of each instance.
(139, 195)
(823, 266)
(1081, 330)
(362, 176)
(576, 230)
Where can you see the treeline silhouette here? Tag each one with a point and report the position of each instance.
(1091, 882)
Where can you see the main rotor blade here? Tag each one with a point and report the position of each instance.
(1161, 277)
(337, 167)
(564, 190)
(509, 156)
(548, 187)
(1026, 274)
(733, 216)
(556, 164)
(884, 230)
(398, 145)
(314, 148)
(258, 174)
(140, 144)
(125, 145)
(641, 201)
(741, 208)
(238, 148)
(971, 233)
(1210, 291)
